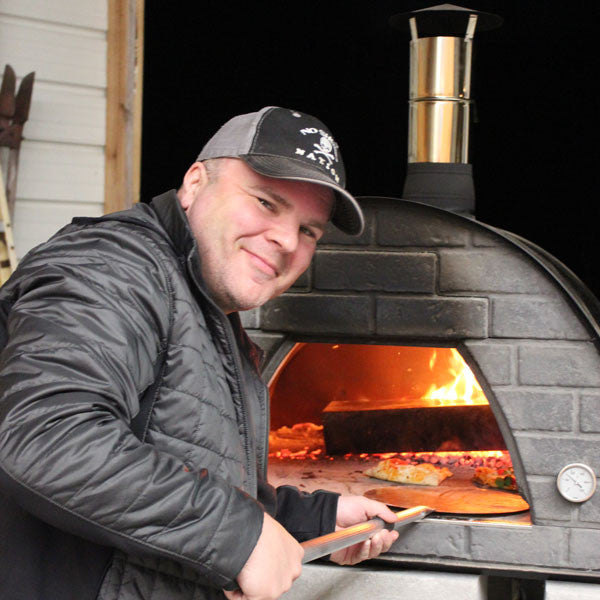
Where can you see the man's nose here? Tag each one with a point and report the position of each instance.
(285, 234)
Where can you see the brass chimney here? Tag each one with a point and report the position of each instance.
(441, 49)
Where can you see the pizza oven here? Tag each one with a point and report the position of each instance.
(435, 338)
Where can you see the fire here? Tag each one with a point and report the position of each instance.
(462, 388)
(346, 379)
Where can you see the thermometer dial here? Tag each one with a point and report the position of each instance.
(576, 482)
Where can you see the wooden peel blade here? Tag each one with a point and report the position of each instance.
(453, 500)
(326, 544)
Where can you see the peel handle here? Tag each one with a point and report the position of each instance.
(326, 544)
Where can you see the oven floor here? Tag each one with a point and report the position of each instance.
(346, 476)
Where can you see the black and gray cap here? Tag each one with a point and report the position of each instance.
(287, 144)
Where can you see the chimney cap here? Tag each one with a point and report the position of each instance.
(444, 20)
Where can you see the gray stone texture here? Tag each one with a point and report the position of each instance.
(584, 549)
(575, 364)
(333, 582)
(549, 504)
(482, 238)
(589, 413)
(449, 318)
(304, 281)
(319, 314)
(589, 511)
(405, 225)
(494, 361)
(433, 539)
(375, 271)
(549, 454)
(536, 545)
(541, 410)
(490, 270)
(333, 236)
(269, 342)
(250, 318)
(542, 318)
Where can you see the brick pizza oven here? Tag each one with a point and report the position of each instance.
(427, 274)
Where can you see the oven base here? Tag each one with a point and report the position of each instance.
(326, 581)
(332, 582)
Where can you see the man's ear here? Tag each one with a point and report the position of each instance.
(194, 180)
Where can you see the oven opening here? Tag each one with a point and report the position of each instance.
(337, 410)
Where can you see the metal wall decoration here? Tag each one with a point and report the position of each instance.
(14, 112)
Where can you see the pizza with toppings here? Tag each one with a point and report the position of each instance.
(396, 469)
(502, 478)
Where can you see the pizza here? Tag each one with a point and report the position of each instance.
(396, 469)
(301, 436)
(502, 478)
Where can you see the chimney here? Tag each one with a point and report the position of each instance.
(438, 171)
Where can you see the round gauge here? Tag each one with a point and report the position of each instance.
(576, 482)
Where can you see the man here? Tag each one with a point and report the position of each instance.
(133, 421)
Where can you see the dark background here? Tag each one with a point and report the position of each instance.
(534, 148)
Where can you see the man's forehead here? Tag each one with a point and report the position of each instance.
(287, 192)
(278, 186)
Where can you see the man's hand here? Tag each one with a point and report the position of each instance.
(272, 567)
(356, 509)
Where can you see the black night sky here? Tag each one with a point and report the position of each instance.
(534, 147)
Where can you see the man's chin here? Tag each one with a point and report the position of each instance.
(255, 300)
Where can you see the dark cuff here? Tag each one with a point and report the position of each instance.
(306, 516)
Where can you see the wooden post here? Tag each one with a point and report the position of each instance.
(124, 103)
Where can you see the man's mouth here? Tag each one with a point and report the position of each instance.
(263, 264)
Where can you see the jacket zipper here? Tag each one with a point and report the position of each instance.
(250, 469)
(267, 408)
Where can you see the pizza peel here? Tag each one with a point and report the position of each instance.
(451, 500)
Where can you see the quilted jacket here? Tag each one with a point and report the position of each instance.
(89, 321)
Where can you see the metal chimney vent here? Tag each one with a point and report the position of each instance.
(438, 171)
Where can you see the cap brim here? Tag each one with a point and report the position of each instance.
(347, 214)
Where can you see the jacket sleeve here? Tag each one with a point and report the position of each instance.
(304, 515)
(84, 331)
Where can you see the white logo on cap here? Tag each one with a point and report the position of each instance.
(325, 147)
(324, 152)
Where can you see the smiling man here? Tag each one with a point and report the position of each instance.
(133, 420)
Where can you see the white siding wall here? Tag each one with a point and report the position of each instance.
(61, 172)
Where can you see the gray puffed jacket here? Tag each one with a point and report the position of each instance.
(108, 312)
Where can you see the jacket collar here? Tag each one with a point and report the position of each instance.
(175, 223)
(173, 219)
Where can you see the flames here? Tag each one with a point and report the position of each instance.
(461, 386)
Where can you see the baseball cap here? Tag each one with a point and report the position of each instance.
(287, 144)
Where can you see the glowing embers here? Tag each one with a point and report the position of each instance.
(372, 399)
(495, 459)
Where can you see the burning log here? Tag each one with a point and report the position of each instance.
(349, 428)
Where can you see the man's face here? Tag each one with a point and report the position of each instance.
(255, 234)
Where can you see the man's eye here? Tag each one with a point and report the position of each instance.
(308, 232)
(265, 203)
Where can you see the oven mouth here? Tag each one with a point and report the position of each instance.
(340, 409)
